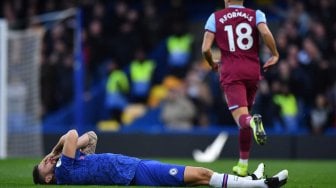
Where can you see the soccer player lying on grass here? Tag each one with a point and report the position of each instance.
(72, 161)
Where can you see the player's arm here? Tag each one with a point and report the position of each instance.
(87, 142)
(270, 43)
(208, 40)
(57, 149)
(70, 144)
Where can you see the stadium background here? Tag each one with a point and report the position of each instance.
(297, 98)
(304, 31)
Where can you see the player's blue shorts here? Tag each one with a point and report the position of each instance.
(155, 173)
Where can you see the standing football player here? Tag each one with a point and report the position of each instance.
(236, 30)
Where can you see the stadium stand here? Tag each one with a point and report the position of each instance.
(293, 96)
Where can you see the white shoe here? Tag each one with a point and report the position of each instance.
(277, 180)
(259, 172)
(282, 175)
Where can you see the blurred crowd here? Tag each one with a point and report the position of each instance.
(148, 52)
(301, 89)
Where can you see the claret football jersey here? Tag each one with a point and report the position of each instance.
(237, 36)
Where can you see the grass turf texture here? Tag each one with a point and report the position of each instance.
(302, 173)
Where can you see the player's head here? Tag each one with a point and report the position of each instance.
(233, 2)
(43, 173)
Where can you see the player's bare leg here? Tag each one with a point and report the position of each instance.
(194, 176)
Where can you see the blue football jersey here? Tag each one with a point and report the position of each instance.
(96, 169)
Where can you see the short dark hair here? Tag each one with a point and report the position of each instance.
(36, 176)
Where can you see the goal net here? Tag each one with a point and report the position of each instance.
(20, 100)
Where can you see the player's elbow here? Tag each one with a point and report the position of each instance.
(264, 30)
(93, 135)
(207, 42)
(205, 50)
(72, 131)
(266, 35)
(72, 134)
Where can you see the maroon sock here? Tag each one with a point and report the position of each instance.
(245, 141)
(244, 121)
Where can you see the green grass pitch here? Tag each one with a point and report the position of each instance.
(302, 173)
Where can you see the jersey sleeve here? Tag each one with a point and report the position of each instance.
(67, 161)
(260, 17)
(63, 168)
(211, 24)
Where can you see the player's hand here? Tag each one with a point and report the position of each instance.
(51, 156)
(270, 62)
(48, 157)
(215, 66)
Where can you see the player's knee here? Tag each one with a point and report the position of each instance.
(244, 128)
(72, 131)
(204, 174)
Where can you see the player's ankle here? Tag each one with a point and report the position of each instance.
(243, 162)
